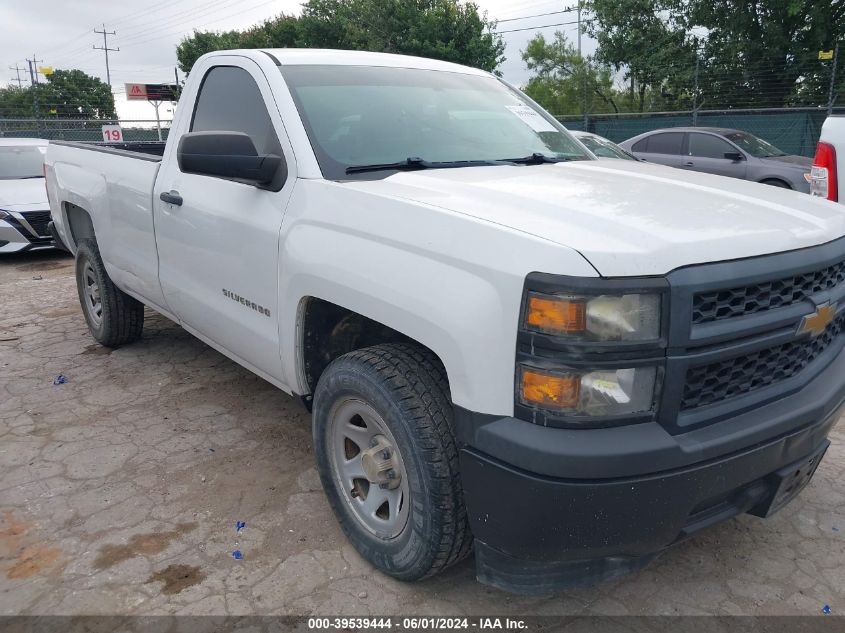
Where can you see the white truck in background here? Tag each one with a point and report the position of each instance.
(829, 163)
(565, 363)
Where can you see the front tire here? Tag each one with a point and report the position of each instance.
(388, 460)
(113, 317)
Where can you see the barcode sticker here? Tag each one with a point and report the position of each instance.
(531, 118)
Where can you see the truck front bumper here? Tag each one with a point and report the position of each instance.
(553, 508)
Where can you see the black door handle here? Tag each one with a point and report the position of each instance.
(171, 197)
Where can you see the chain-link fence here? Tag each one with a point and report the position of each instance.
(85, 130)
(792, 130)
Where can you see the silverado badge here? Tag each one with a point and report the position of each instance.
(816, 323)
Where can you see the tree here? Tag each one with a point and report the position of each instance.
(67, 94)
(563, 82)
(451, 30)
(765, 52)
(648, 40)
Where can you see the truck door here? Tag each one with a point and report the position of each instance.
(219, 248)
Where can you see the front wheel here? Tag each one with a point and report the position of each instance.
(388, 460)
(114, 318)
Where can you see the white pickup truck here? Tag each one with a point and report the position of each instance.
(830, 160)
(569, 364)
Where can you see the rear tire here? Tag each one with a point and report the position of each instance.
(775, 183)
(389, 404)
(114, 318)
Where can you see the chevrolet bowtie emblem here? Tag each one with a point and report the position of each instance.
(816, 323)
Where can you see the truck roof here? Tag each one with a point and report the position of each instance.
(331, 57)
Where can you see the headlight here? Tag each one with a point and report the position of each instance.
(625, 317)
(605, 392)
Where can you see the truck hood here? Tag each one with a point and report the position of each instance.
(626, 218)
(23, 192)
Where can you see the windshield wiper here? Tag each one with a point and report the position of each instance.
(536, 159)
(414, 163)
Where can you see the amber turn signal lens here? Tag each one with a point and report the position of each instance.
(550, 390)
(560, 316)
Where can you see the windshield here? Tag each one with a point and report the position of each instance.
(365, 115)
(604, 148)
(24, 161)
(753, 145)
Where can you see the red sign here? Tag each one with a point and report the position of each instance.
(136, 92)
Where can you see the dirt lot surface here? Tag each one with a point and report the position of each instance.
(121, 488)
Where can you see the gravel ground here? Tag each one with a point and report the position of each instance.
(120, 490)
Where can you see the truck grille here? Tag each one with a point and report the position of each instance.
(718, 305)
(711, 383)
(38, 220)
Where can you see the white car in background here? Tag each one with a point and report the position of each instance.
(24, 209)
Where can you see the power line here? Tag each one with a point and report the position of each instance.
(105, 48)
(533, 28)
(538, 15)
(180, 31)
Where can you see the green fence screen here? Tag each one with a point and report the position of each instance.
(794, 131)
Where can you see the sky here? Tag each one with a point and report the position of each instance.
(60, 33)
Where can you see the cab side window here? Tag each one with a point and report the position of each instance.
(665, 143)
(230, 101)
(708, 146)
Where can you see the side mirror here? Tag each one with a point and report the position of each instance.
(734, 156)
(230, 155)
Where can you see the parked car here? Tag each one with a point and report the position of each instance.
(570, 363)
(723, 152)
(602, 147)
(829, 161)
(24, 210)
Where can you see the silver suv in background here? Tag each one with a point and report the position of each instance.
(723, 152)
(24, 209)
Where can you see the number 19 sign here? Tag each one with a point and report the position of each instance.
(112, 133)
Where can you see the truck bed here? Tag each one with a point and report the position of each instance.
(147, 150)
(113, 183)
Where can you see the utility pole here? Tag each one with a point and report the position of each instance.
(33, 76)
(579, 28)
(105, 48)
(33, 69)
(17, 70)
(178, 85)
(586, 80)
(831, 97)
(695, 92)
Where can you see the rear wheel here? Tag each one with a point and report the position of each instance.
(114, 318)
(388, 460)
(775, 183)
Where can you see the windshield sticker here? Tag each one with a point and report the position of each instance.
(531, 118)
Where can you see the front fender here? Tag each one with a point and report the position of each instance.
(451, 282)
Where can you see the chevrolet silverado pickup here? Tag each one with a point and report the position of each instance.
(830, 160)
(508, 346)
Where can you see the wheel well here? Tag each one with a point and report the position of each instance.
(777, 182)
(330, 331)
(79, 222)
